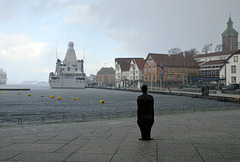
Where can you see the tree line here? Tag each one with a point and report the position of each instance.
(193, 51)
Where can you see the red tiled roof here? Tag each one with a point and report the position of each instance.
(140, 62)
(125, 63)
(215, 54)
(214, 62)
(174, 60)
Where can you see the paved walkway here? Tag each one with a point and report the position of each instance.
(199, 136)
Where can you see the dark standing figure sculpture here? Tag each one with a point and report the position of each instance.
(145, 113)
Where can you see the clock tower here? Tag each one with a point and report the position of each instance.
(229, 37)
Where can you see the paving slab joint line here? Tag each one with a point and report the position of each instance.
(93, 131)
(204, 124)
(118, 147)
(67, 143)
(54, 136)
(14, 156)
(196, 150)
(76, 150)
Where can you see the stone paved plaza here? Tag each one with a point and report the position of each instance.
(199, 136)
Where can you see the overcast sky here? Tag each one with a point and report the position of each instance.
(33, 31)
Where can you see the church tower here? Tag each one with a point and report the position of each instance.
(229, 37)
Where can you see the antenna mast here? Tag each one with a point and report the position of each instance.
(56, 53)
(84, 53)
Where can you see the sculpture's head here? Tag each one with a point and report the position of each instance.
(144, 88)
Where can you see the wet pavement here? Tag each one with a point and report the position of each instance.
(200, 136)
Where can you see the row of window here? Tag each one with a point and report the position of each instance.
(171, 69)
(209, 73)
(210, 67)
(169, 77)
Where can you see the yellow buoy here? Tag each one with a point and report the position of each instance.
(29, 95)
(75, 98)
(19, 93)
(8, 93)
(51, 96)
(101, 101)
(0, 92)
(59, 98)
(42, 95)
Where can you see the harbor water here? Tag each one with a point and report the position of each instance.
(37, 103)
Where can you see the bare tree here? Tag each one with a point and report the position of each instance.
(175, 51)
(206, 48)
(218, 48)
(192, 52)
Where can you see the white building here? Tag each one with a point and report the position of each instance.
(231, 68)
(211, 63)
(123, 76)
(136, 72)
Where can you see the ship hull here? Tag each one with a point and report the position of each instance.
(67, 82)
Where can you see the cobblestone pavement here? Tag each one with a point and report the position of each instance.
(200, 136)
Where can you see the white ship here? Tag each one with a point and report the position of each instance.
(69, 73)
(3, 77)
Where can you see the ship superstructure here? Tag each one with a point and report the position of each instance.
(3, 76)
(69, 73)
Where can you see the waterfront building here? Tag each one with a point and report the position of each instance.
(106, 77)
(136, 72)
(164, 70)
(229, 37)
(122, 71)
(210, 65)
(231, 69)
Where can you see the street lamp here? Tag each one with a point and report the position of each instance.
(184, 55)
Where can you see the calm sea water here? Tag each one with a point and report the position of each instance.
(14, 105)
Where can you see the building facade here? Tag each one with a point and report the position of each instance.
(162, 70)
(229, 37)
(211, 63)
(128, 72)
(136, 72)
(231, 69)
(106, 77)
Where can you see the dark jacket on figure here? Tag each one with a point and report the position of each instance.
(145, 112)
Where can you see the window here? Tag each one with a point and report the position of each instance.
(168, 77)
(149, 69)
(146, 77)
(172, 77)
(172, 69)
(194, 70)
(178, 69)
(179, 77)
(168, 69)
(153, 69)
(235, 58)
(233, 68)
(145, 70)
(233, 79)
(153, 77)
(190, 70)
(150, 77)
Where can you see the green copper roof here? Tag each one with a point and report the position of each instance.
(229, 30)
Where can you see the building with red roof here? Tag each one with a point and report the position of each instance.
(164, 70)
(128, 72)
(211, 63)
